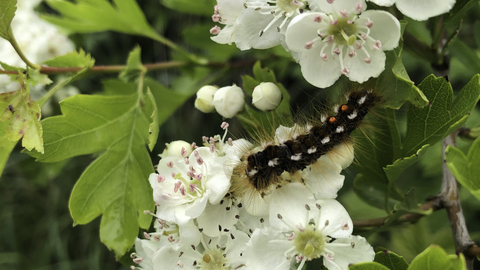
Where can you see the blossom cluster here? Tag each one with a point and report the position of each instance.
(200, 222)
(327, 37)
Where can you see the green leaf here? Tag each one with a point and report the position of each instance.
(466, 54)
(154, 127)
(7, 12)
(431, 124)
(458, 11)
(395, 84)
(134, 65)
(73, 59)
(24, 115)
(367, 266)
(465, 168)
(476, 33)
(263, 74)
(199, 7)
(115, 184)
(435, 258)
(394, 170)
(35, 77)
(6, 146)
(87, 16)
(409, 204)
(391, 260)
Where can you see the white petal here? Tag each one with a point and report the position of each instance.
(230, 10)
(339, 222)
(249, 223)
(254, 204)
(264, 254)
(289, 201)
(218, 183)
(347, 5)
(323, 178)
(301, 30)
(215, 216)
(168, 257)
(250, 23)
(386, 28)
(385, 3)
(318, 72)
(189, 234)
(166, 212)
(237, 246)
(422, 10)
(342, 155)
(226, 35)
(361, 71)
(345, 255)
(196, 208)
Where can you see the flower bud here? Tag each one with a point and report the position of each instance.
(266, 96)
(204, 101)
(229, 101)
(177, 149)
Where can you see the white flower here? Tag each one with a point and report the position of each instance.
(204, 100)
(419, 10)
(219, 253)
(227, 13)
(305, 230)
(266, 96)
(262, 24)
(344, 39)
(229, 101)
(183, 186)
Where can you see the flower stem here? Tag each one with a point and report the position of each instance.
(52, 91)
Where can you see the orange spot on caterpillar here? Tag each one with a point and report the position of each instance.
(332, 120)
(344, 107)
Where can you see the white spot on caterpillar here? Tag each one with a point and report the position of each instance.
(252, 172)
(346, 98)
(353, 115)
(325, 140)
(273, 163)
(312, 150)
(323, 118)
(335, 109)
(362, 100)
(339, 129)
(308, 128)
(296, 157)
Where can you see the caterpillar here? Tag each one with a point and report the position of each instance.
(261, 168)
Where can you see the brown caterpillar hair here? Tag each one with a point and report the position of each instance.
(261, 168)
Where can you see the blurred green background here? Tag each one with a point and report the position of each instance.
(35, 225)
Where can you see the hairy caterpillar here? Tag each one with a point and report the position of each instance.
(263, 168)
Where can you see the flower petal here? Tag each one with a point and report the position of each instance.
(345, 255)
(254, 204)
(302, 29)
(385, 3)
(289, 201)
(230, 10)
(196, 208)
(250, 23)
(267, 250)
(422, 10)
(216, 218)
(339, 222)
(359, 70)
(168, 257)
(337, 5)
(189, 234)
(226, 35)
(323, 178)
(318, 72)
(385, 28)
(342, 155)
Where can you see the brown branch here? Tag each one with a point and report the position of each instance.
(450, 200)
(120, 68)
(410, 217)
